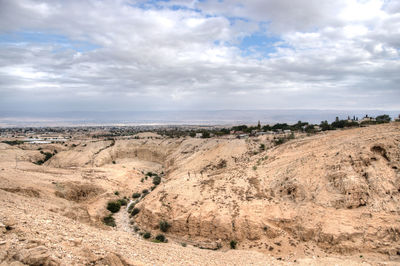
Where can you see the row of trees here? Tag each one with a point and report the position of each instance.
(300, 126)
(309, 128)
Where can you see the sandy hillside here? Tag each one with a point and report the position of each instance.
(332, 198)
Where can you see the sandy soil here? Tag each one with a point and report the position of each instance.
(327, 199)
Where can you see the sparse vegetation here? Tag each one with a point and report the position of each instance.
(164, 226)
(205, 134)
(123, 202)
(233, 244)
(222, 164)
(130, 209)
(156, 180)
(160, 237)
(145, 191)
(135, 211)
(262, 147)
(13, 142)
(109, 220)
(116, 193)
(114, 206)
(146, 235)
(47, 157)
(136, 195)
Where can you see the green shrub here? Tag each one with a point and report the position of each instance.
(47, 157)
(123, 202)
(135, 211)
(145, 191)
(183, 244)
(116, 193)
(13, 142)
(136, 195)
(262, 146)
(109, 220)
(160, 237)
(113, 206)
(150, 174)
(141, 180)
(113, 162)
(233, 244)
(146, 235)
(156, 180)
(164, 226)
(130, 209)
(280, 141)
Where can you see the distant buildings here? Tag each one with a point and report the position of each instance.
(367, 119)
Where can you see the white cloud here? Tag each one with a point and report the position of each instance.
(328, 53)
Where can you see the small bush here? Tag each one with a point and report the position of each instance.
(123, 202)
(280, 141)
(135, 211)
(262, 147)
(160, 237)
(146, 235)
(164, 226)
(142, 180)
(113, 162)
(116, 193)
(150, 174)
(136, 229)
(183, 244)
(254, 167)
(13, 142)
(113, 206)
(136, 195)
(130, 209)
(145, 191)
(233, 244)
(109, 220)
(156, 180)
(222, 164)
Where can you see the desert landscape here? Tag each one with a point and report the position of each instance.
(318, 199)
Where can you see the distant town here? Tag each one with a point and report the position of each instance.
(46, 135)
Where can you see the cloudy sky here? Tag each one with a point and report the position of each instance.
(100, 55)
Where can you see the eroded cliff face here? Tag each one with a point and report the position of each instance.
(339, 190)
(336, 192)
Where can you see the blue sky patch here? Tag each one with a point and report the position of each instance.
(61, 42)
(259, 43)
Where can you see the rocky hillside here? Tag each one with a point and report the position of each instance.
(324, 199)
(338, 191)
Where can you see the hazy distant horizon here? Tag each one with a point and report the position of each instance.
(188, 117)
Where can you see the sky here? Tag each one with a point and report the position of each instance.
(125, 55)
